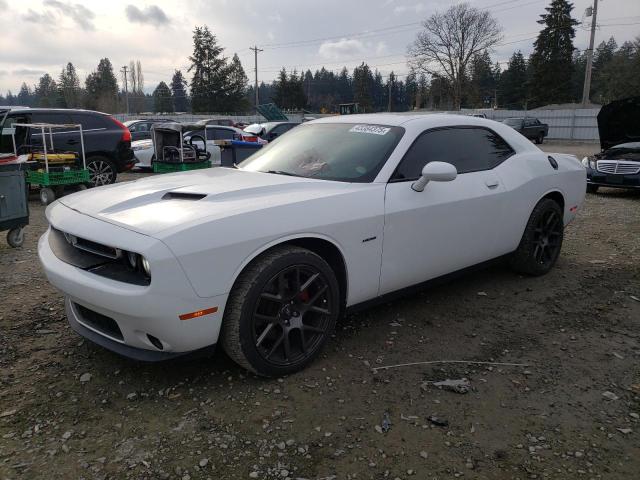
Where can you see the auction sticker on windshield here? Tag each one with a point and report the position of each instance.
(373, 129)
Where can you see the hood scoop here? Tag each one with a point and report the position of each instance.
(183, 196)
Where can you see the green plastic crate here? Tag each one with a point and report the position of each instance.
(179, 167)
(70, 177)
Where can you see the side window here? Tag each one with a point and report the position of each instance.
(90, 121)
(50, 117)
(222, 134)
(133, 127)
(6, 142)
(468, 149)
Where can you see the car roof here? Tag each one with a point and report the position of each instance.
(64, 110)
(397, 120)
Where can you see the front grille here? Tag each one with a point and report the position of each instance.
(96, 258)
(617, 167)
(99, 322)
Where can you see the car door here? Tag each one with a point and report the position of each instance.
(60, 137)
(8, 131)
(449, 225)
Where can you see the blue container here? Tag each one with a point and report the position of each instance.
(237, 151)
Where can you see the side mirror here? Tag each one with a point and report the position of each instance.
(436, 172)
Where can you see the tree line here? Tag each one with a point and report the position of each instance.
(446, 71)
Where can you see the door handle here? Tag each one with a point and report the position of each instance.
(492, 182)
(72, 142)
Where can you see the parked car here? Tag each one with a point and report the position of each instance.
(270, 130)
(618, 164)
(141, 129)
(107, 141)
(224, 122)
(144, 152)
(530, 127)
(262, 258)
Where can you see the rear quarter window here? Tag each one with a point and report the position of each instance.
(91, 121)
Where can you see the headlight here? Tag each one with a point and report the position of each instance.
(145, 266)
(589, 163)
(585, 161)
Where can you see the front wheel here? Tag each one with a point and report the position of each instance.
(592, 188)
(540, 139)
(101, 171)
(542, 240)
(281, 311)
(15, 237)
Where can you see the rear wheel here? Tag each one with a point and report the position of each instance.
(281, 311)
(540, 138)
(542, 240)
(101, 171)
(592, 188)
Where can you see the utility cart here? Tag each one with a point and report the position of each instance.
(174, 153)
(52, 170)
(14, 205)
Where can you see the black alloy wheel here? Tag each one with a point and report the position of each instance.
(541, 241)
(281, 311)
(292, 315)
(547, 238)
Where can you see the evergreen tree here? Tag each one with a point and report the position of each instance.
(281, 90)
(162, 100)
(26, 97)
(208, 85)
(69, 86)
(551, 61)
(513, 83)
(602, 57)
(46, 92)
(102, 88)
(236, 88)
(179, 92)
(362, 86)
(483, 83)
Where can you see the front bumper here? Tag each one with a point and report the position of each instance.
(594, 177)
(147, 317)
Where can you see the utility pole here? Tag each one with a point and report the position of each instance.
(390, 90)
(126, 88)
(255, 54)
(587, 72)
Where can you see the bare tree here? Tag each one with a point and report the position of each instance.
(450, 40)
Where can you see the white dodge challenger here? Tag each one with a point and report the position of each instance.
(264, 258)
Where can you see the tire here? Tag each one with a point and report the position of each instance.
(15, 237)
(101, 171)
(592, 188)
(542, 240)
(281, 311)
(539, 139)
(80, 187)
(47, 196)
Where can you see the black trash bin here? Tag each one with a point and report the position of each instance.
(233, 152)
(14, 205)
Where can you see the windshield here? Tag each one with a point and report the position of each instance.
(513, 122)
(344, 152)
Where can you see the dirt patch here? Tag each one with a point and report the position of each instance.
(577, 329)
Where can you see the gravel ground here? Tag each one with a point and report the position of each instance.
(69, 409)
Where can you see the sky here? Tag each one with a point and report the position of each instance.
(46, 34)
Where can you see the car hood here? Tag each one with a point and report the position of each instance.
(619, 122)
(164, 202)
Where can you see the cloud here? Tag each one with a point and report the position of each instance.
(3, 5)
(152, 15)
(344, 47)
(416, 8)
(77, 12)
(45, 18)
(349, 47)
(276, 18)
(28, 72)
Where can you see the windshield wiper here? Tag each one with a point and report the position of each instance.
(281, 172)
